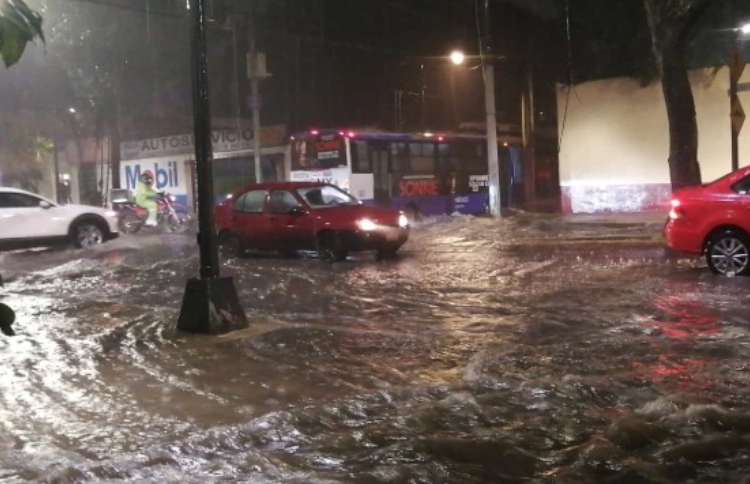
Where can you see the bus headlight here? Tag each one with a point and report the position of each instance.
(403, 221)
(366, 225)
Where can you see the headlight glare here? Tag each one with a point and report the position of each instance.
(403, 221)
(366, 225)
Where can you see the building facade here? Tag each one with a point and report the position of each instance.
(614, 139)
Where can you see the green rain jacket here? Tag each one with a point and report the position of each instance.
(144, 194)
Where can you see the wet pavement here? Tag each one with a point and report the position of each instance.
(531, 350)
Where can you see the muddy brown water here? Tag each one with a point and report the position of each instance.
(511, 352)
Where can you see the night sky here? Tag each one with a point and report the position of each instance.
(334, 62)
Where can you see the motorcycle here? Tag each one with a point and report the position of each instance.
(7, 317)
(171, 215)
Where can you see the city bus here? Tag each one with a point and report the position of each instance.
(422, 174)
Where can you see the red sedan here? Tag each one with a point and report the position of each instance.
(292, 216)
(714, 220)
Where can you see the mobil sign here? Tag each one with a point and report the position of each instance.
(170, 174)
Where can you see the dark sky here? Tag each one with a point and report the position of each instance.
(334, 62)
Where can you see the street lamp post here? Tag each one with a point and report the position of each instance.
(493, 157)
(210, 304)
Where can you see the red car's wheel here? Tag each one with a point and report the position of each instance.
(388, 252)
(331, 248)
(728, 253)
(230, 245)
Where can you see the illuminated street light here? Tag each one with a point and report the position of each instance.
(745, 29)
(458, 57)
(72, 110)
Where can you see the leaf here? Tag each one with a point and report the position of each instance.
(19, 25)
(12, 43)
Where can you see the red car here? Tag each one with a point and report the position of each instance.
(714, 220)
(292, 216)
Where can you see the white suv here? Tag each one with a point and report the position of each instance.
(28, 220)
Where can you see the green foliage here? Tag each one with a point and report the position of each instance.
(19, 25)
(22, 160)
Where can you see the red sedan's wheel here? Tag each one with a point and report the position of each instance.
(331, 248)
(230, 245)
(388, 252)
(728, 253)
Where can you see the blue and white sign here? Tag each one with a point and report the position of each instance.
(170, 174)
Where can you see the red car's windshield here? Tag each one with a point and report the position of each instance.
(326, 196)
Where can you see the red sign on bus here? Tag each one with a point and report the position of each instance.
(418, 187)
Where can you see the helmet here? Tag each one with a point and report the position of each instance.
(147, 177)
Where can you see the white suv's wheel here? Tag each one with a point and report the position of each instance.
(87, 234)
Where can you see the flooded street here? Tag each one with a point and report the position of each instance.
(521, 351)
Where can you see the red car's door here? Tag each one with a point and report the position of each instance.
(289, 231)
(249, 222)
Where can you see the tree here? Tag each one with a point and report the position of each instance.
(22, 160)
(671, 23)
(19, 25)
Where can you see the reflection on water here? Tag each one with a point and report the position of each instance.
(474, 358)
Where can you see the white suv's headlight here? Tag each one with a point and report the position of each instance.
(111, 214)
(366, 225)
(403, 221)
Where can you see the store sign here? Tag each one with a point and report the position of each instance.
(169, 174)
(222, 141)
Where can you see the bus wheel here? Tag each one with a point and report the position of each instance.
(331, 248)
(412, 213)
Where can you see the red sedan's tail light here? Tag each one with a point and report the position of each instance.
(677, 209)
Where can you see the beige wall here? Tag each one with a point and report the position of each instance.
(616, 132)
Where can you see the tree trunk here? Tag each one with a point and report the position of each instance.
(668, 35)
(684, 169)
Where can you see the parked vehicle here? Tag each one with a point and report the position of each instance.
(28, 220)
(292, 216)
(132, 218)
(713, 220)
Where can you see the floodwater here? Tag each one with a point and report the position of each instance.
(521, 351)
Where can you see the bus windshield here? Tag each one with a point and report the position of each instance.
(326, 196)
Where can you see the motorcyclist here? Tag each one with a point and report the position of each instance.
(146, 196)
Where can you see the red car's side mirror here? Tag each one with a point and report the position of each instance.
(298, 210)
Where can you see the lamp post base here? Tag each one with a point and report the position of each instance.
(211, 306)
(7, 318)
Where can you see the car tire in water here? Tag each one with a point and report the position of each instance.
(331, 248)
(87, 234)
(389, 252)
(412, 213)
(230, 245)
(728, 253)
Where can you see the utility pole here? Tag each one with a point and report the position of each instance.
(210, 304)
(256, 72)
(493, 159)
